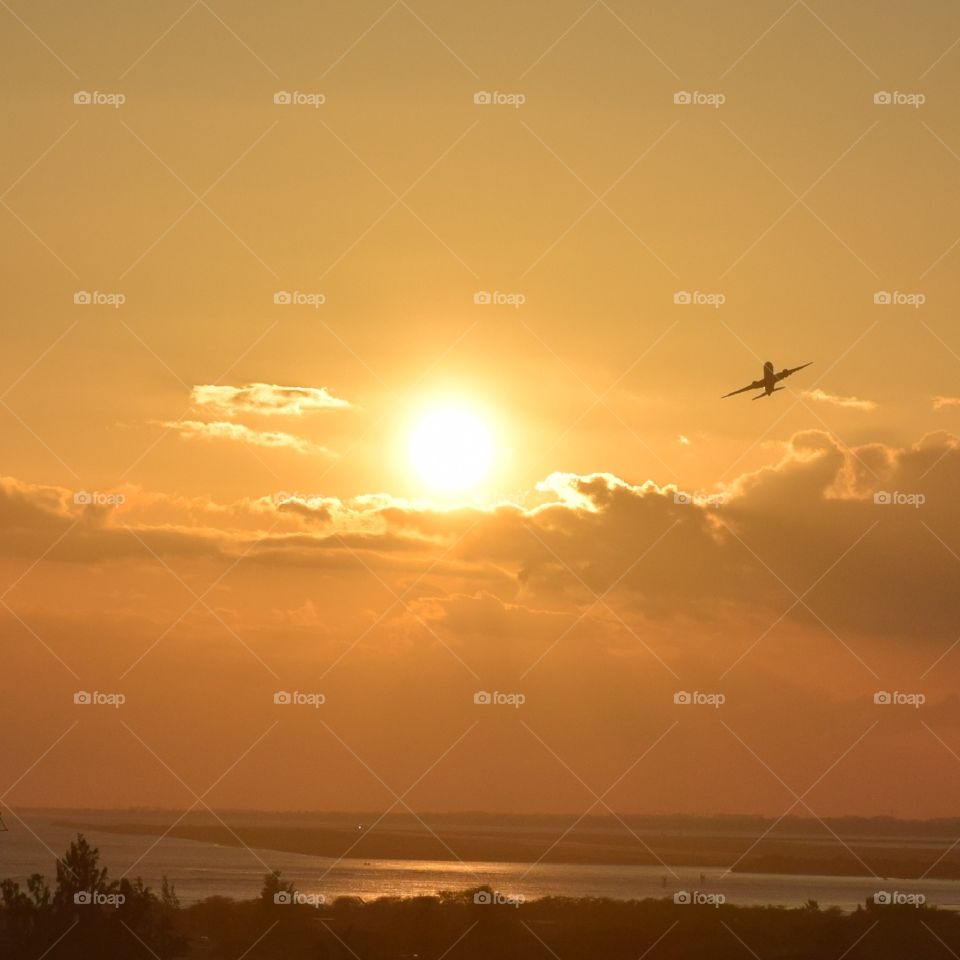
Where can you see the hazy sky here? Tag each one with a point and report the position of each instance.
(275, 532)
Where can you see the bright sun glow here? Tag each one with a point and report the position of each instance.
(451, 449)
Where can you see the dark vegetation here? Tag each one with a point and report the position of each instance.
(86, 915)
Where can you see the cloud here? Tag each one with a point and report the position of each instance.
(222, 430)
(850, 403)
(811, 521)
(266, 398)
(939, 403)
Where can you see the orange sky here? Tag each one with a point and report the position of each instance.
(273, 533)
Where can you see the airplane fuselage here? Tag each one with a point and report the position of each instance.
(769, 379)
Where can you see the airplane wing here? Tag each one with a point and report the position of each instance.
(783, 374)
(756, 385)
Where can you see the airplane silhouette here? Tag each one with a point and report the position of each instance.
(769, 381)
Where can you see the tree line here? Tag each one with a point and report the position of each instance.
(86, 915)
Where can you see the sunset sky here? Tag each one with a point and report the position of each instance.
(396, 494)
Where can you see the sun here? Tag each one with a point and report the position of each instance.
(451, 449)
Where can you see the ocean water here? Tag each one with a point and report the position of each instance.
(200, 870)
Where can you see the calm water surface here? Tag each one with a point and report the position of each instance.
(201, 870)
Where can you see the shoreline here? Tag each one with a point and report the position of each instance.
(795, 857)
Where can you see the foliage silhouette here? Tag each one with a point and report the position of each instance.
(87, 916)
(127, 920)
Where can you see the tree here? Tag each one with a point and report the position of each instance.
(275, 890)
(79, 872)
(87, 916)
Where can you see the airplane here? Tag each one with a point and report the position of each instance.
(769, 381)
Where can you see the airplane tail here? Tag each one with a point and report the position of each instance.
(760, 396)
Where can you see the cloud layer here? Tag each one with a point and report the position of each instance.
(797, 591)
(825, 523)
